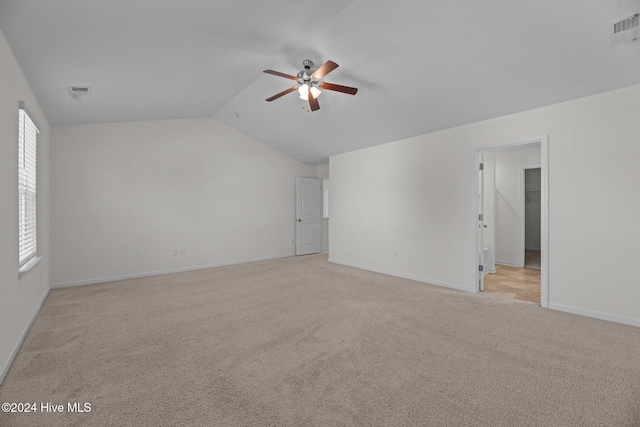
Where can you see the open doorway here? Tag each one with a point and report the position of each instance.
(511, 220)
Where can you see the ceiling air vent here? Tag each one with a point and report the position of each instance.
(626, 31)
(77, 91)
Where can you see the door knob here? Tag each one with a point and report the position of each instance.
(485, 226)
(299, 220)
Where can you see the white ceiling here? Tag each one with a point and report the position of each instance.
(420, 66)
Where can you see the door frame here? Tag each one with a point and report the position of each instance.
(300, 215)
(480, 180)
(543, 140)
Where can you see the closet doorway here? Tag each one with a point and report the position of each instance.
(519, 280)
(512, 213)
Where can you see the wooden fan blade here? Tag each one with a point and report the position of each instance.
(283, 93)
(325, 69)
(278, 73)
(313, 102)
(339, 88)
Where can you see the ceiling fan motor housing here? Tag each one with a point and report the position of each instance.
(304, 76)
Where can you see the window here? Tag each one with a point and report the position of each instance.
(27, 134)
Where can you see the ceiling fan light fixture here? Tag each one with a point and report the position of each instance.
(304, 90)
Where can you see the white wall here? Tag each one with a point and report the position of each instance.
(416, 197)
(19, 299)
(125, 195)
(322, 171)
(509, 219)
(532, 208)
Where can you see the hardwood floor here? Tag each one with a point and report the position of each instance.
(514, 282)
(532, 259)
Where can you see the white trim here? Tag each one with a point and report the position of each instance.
(509, 263)
(596, 314)
(511, 145)
(404, 276)
(302, 219)
(543, 140)
(481, 224)
(544, 221)
(14, 353)
(475, 211)
(168, 271)
(28, 266)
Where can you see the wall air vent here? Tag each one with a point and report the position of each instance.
(626, 31)
(77, 91)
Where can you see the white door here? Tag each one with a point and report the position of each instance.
(308, 216)
(481, 226)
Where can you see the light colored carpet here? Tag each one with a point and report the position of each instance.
(299, 341)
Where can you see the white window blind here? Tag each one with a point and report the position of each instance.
(27, 134)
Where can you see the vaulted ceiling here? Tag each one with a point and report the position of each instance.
(420, 66)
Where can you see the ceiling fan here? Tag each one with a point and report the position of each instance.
(309, 83)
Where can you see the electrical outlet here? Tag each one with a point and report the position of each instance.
(183, 251)
(395, 254)
(175, 252)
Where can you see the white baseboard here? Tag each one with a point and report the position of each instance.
(508, 263)
(404, 276)
(596, 314)
(14, 353)
(168, 271)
